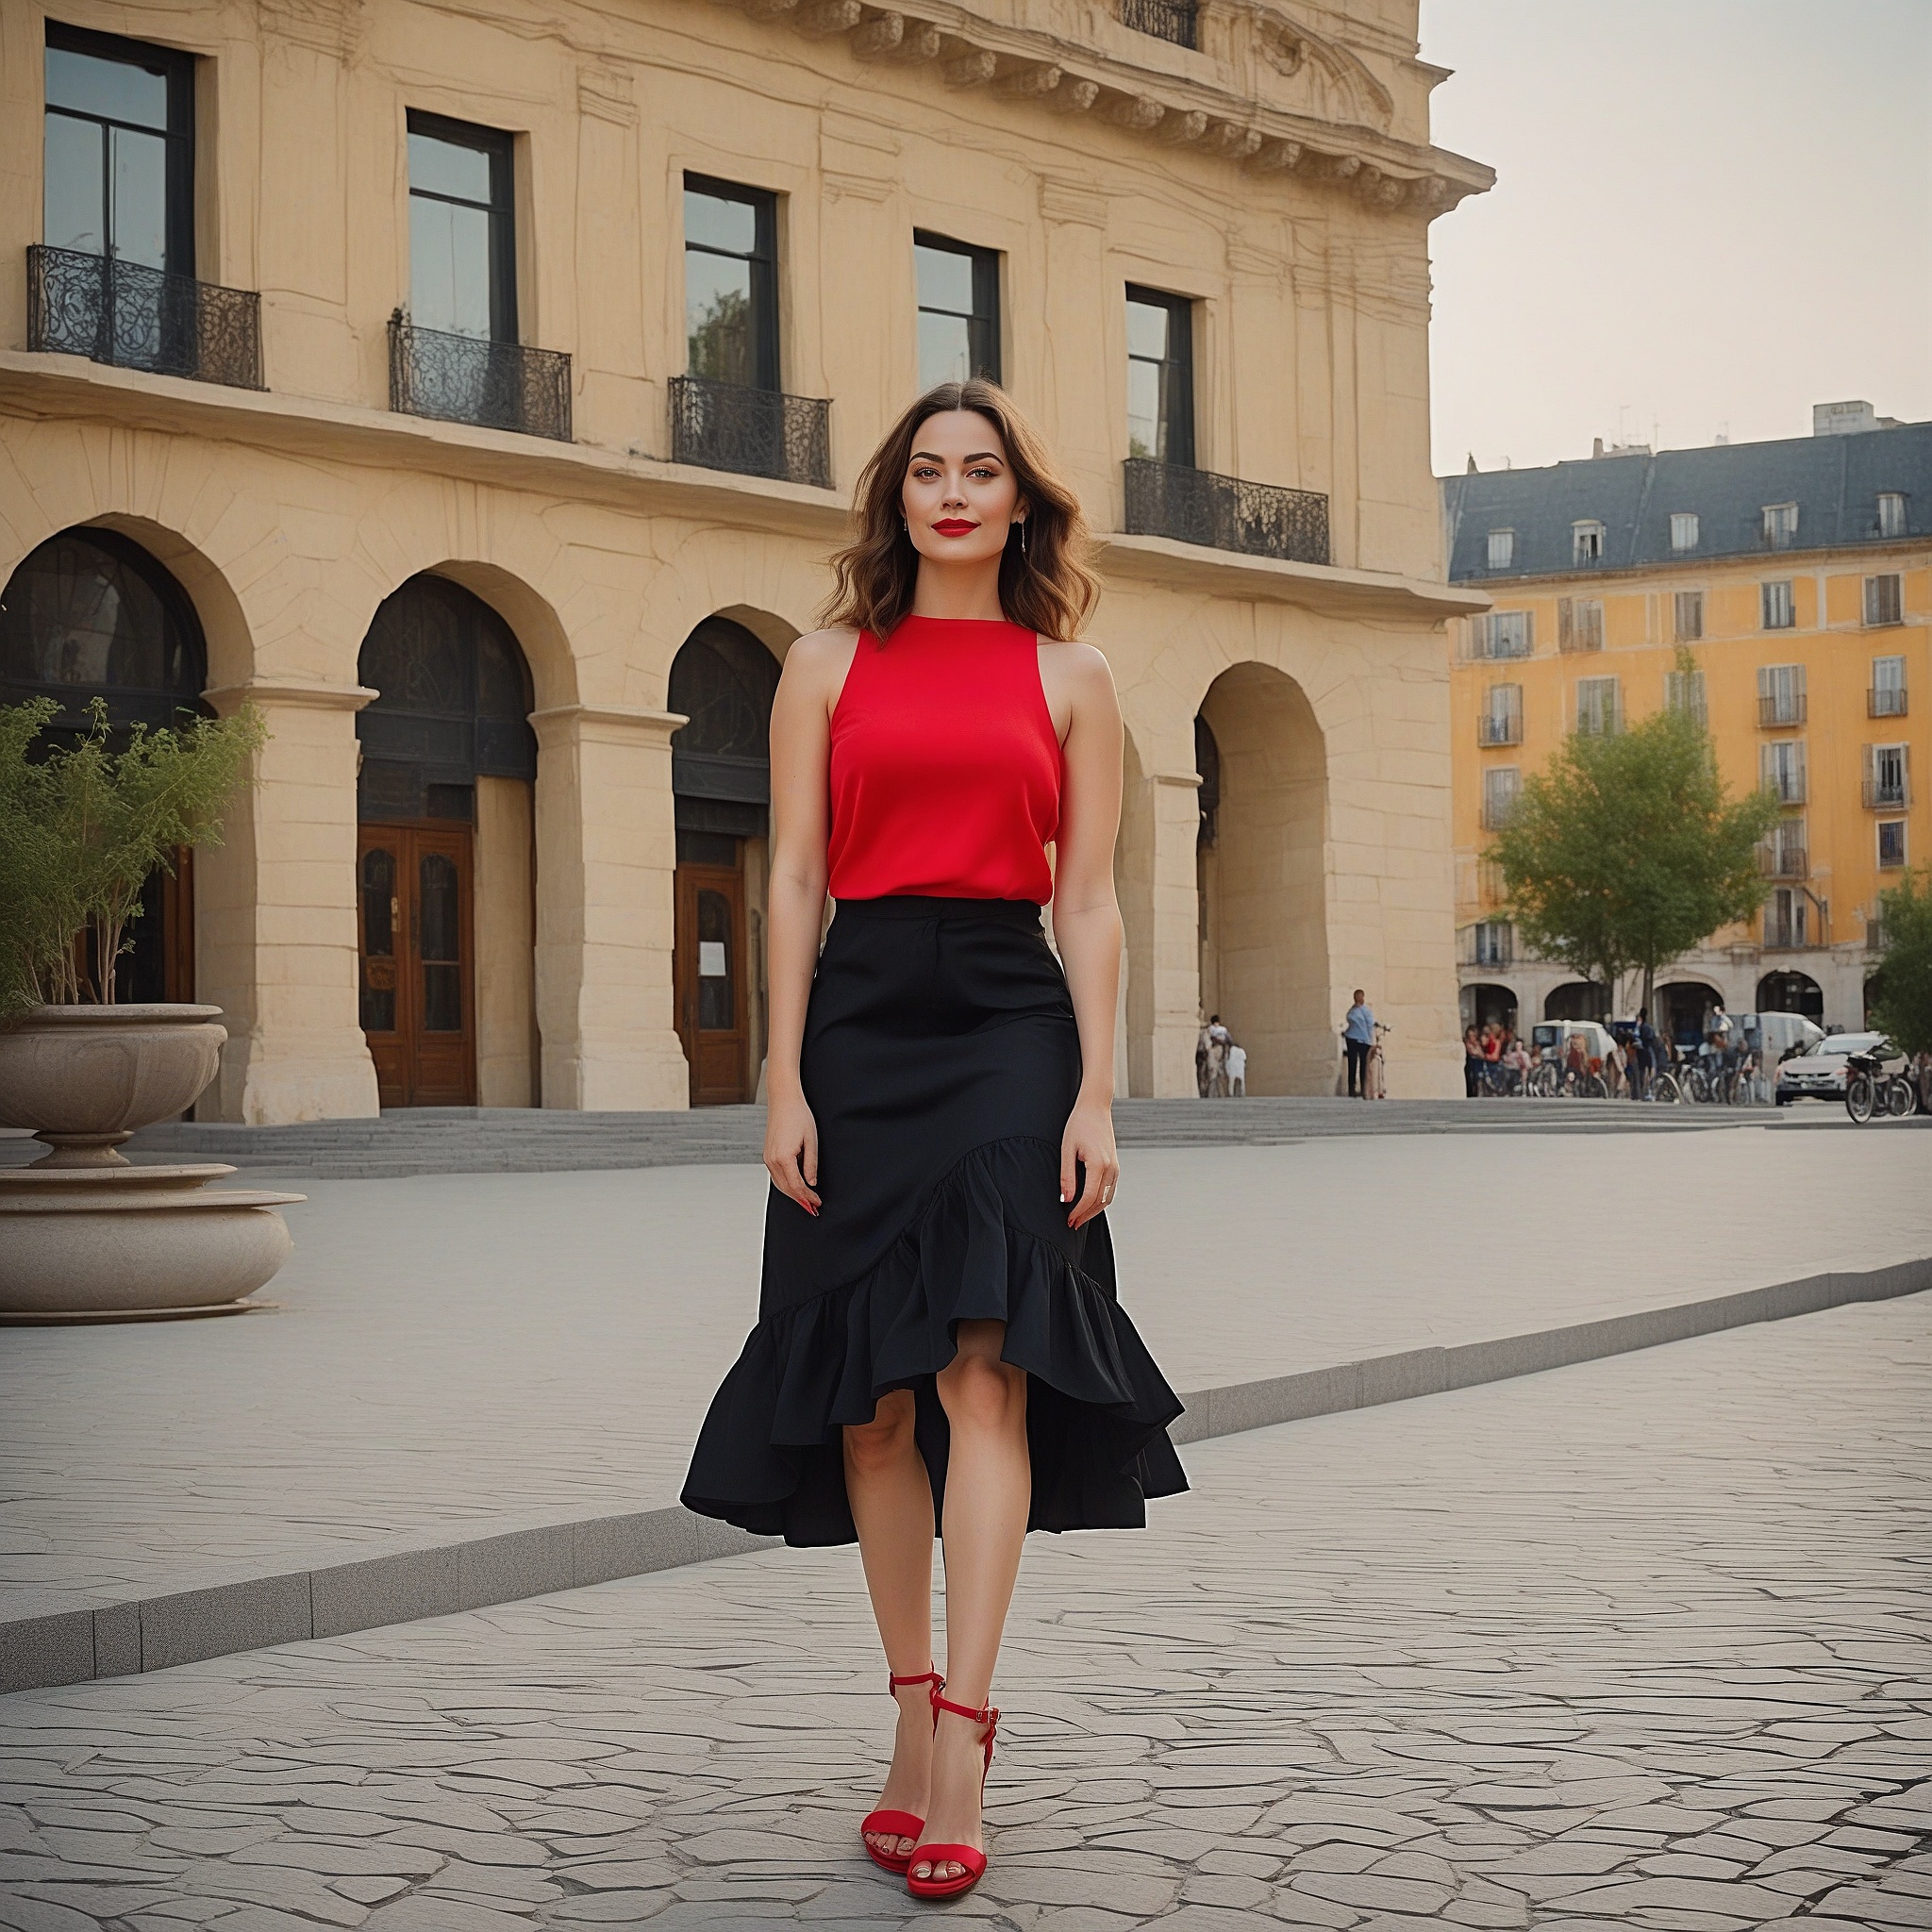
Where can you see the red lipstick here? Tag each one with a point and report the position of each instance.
(954, 527)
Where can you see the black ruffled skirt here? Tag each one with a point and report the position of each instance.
(941, 1061)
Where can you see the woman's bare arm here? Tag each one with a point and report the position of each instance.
(814, 675)
(1086, 914)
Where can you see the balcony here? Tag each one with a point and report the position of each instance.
(1784, 862)
(1886, 701)
(755, 432)
(1493, 730)
(1787, 934)
(1224, 512)
(1887, 793)
(1492, 942)
(132, 317)
(1780, 711)
(472, 379)
(1167, 20)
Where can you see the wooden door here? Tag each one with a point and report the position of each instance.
(709, 981)
(417, 927)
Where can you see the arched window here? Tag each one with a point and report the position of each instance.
(90, 614)
(723, 680)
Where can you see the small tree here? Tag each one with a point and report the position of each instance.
(1903, 1007)
(1626, 850)
(85, 827)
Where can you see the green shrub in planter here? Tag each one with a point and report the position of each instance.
(83, 828)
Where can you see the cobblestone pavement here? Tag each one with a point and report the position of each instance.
(455, 1355)
(1640, 1644)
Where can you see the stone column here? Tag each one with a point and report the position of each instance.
(276, 917)
(1177, 948)
(607, 852)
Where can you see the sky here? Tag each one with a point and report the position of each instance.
(1708, 215)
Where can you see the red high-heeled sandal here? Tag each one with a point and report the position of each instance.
(973, 1861)
(897, 1824)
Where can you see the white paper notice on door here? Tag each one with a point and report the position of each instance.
(711, 959)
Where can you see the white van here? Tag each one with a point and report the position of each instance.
(1778, 1033)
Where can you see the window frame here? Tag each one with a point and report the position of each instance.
(763, 261)
(1502, 788)
(1607, 725)
(983, 323)
(1787, 587)
(1897, 826)
(1891, 513)
(1685, 691)
(1587, 536)
(177, 68)
(1892, 608)
(1579, 624)
(1682, 601)
(1502, 712)
(1181, 311)
(1778, 534)
(1507, 559)
(499, 146)
(1680, 517)
(1484, 635)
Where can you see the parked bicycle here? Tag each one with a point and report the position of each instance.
(1871, 1093)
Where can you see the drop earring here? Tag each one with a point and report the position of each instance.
(1022, 537)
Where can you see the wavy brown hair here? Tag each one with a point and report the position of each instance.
(1045, 582)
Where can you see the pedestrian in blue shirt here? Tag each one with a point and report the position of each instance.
(1357, 1035)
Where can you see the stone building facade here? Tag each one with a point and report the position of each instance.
(1798, 575)
(479, 394)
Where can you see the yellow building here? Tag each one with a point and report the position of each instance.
(1799, 576)
(480, 391)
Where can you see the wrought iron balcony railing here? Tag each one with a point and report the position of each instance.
(133, 317)
(1224, 512)
(1784, 862)
(1786, 934)
(755, 432)
(1885, 701)
(1886, 794)
(1492, 730)
(471, 379)
(1775, 712)
(1178, 21)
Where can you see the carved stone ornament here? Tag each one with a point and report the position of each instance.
(879, 36)
(972, 68)
(1074, 96)
(1182, 130)
(820, 18)
(1231, 138)
(1139, 111)
(1039, 77)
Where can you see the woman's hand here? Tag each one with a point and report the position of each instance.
(792, 1150)
(1088, 1142)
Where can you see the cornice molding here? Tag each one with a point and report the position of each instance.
(271, 692)
(1168, 110)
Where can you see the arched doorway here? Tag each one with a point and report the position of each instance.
(1577, 999)
(1484, 1003)
(1792, 993)
(90, 614)
(1262, 876)
(1681, 1006)
(446, 856)
(723, 679)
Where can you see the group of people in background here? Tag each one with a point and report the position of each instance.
(1220, 1062)
(1496, 1059)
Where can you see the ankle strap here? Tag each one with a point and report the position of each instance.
(928, 1675)
(986, 1715)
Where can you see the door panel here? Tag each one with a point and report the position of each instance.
(418, 969)
(710, 980)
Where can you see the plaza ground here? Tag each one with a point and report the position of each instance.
(1641, 1643)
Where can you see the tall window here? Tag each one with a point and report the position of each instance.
(1891, 513)
(1502, 634)
(1502, 787)
(959, 310)
(1883, 601)
(1579, 624)
(462, 237)
(119, 150)
(1587, 542)
(1775, 605)
(1160, 377)
(1786, 855)
(1891, 844)
(1787, 918)
(1887, 687)
(1684, 529)
(1781, 768)
(1886, 776)
(730, 282)
(1684, 692)
(1502, 715)
(1781, 695)
(1781, 524)
(1690, 616)
(1502, 549)
(1598, 710)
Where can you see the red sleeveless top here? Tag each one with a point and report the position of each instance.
(945, 766)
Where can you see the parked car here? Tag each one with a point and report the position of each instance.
(1819, 1074)
(1778, 1033)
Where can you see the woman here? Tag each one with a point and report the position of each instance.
(1472, 1062)
(939, 1339)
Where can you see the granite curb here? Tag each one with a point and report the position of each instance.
(400, 1585)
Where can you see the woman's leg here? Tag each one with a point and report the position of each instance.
(989, 1496)
(892, 1505)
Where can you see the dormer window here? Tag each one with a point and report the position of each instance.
(1684, 529)
(1587, 542)
(1502, 549)
(1891, 513)
(1781, 524)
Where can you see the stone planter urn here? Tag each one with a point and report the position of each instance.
(84, 1236)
